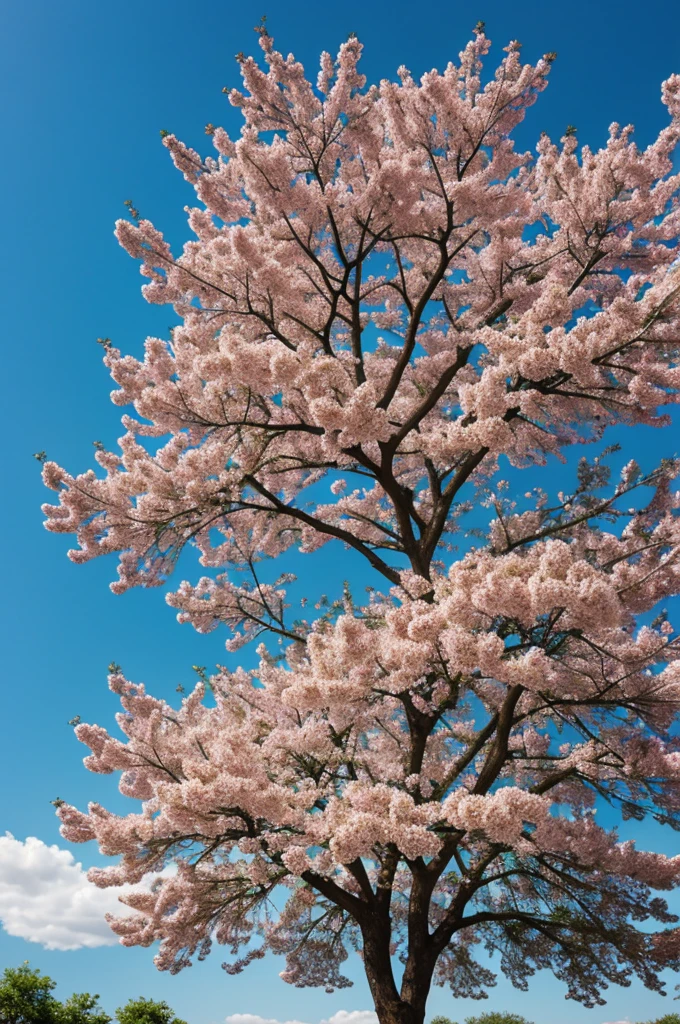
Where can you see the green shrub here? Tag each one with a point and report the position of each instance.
(26, 998)
(496, 1017)
(146, 1011)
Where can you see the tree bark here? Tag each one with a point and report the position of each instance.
(391, 1006)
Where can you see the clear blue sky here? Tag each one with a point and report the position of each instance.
(86, 88)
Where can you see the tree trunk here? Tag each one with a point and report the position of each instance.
(390, 1006)
(399, 1013)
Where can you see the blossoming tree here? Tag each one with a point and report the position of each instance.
(384, 299)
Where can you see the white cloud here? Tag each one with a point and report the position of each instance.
(45, 897)
(254, 1018)
(353, 1017)
(340, 1017)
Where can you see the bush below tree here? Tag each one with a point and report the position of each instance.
(26, 998)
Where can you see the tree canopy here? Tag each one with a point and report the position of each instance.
(390, 320)
(146, 1011)
(26, 998)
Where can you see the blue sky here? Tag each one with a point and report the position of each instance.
(86, 88)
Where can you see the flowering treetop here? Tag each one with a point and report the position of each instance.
(383, 299)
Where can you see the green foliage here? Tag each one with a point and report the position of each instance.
(26, 996)
(146, 1011)
(495, 1017)
(81, 1009)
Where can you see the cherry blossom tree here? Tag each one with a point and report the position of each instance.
(385, 309)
